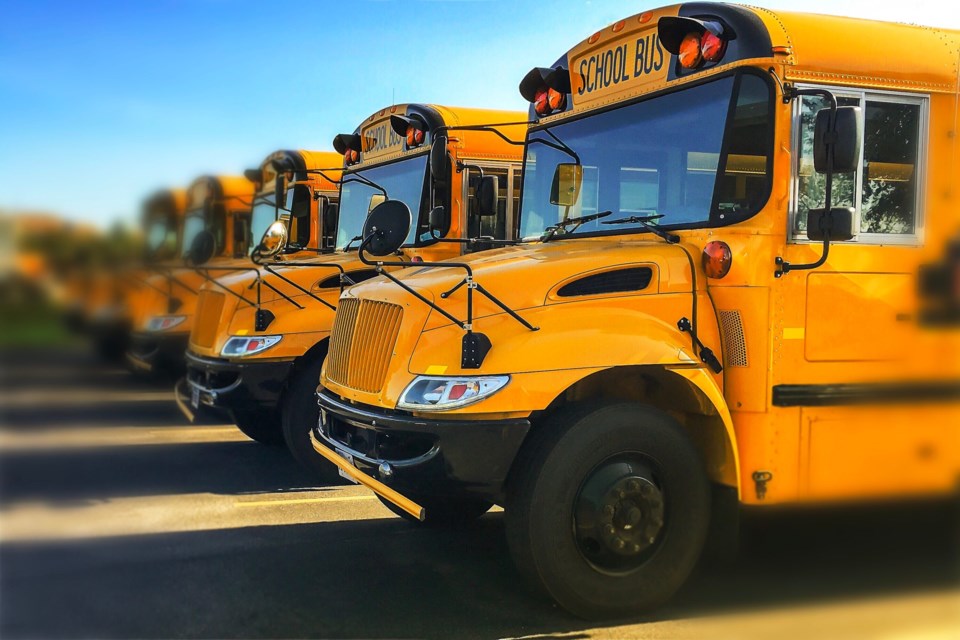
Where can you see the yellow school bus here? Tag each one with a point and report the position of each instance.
(109, 313)
(689, 325)
(269, 388)
(295, 212)
(217, 219)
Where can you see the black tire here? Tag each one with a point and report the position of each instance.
(444, 512)
(299, 415)
(556, 530)
(262, 426)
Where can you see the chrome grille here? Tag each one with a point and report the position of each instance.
(209, 308)
(361, 344)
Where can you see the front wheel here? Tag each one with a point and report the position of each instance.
(262, 426)
(608, 509)
(300, 414)
(443, 512)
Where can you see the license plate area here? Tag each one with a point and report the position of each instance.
(349, 458)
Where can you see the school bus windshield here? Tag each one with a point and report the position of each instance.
(263, 215)
(161, 235)
(403, 180)
(193, 224)
(677, 155)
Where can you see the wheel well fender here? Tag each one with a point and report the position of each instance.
(688, 393)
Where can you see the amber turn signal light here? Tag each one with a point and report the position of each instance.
(690, 55)
(717, 259)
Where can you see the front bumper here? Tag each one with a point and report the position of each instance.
(422, 456)
(235, 386)
(158, 351)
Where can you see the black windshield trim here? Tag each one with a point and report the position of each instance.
(713, 222)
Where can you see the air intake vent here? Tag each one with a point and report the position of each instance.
(734, 342)
(207, 322)
(632, 279)
(355, 276)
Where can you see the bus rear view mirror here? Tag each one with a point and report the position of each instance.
(439, 160)
(386, 228)
(843, 140)
(274, 240)
(565, 190)
(839, 223)
(437, 218)
(488, 191)
(202, 249)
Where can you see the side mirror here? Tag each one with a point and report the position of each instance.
(439, 159)
(328, 225)
(386, 228)
(274, 240)
(241, 236)
(437, 218)
(843, 139)
(202, 249)
(839, 222)
(488, 190)
(567, 179)
(277, 194)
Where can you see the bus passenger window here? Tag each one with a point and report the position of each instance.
(494, 226)
(887, 200)
(889, 197)
(811, 185)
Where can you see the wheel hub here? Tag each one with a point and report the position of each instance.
(619, 515)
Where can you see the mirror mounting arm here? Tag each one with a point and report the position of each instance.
(475, 345)
(783, 266)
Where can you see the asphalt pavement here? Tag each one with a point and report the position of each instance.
(120, 519)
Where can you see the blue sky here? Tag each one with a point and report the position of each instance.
(102, 102)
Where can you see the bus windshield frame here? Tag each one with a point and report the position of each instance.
(399, 178)
(194, 222)
(683, 146)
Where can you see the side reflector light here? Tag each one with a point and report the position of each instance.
(717, 259)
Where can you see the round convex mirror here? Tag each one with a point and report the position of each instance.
(274, 239)
(386, 227)
(202, 248)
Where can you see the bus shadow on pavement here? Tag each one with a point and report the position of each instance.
(384, 578)
(104, 473)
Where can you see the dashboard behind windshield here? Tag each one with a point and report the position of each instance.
(404, 180)
(677, 155)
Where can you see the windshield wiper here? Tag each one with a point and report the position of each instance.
(552, 230)
(649, 224)
(346, 247)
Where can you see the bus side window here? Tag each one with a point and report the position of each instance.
(494, 226)
(298, 201)
(884, 190)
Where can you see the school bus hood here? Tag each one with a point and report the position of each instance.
(533, 274)
(222, 313)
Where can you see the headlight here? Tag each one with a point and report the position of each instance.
(443, 394)
(238, 346)
(163, 323)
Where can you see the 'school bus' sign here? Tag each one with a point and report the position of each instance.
(379, 139)
(607, 66)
